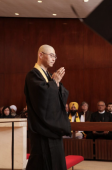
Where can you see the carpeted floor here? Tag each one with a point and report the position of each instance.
(93, 165)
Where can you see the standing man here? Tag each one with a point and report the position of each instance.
(47, 119)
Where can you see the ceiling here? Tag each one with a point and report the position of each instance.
(31, 8)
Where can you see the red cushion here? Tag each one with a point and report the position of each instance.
(72, 160)
(27, 156)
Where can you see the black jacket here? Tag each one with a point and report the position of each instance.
(97, 117)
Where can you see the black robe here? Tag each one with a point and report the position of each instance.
(97, 117)
(47, 122)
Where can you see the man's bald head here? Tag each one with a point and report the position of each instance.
(46, 49)
(46, 56)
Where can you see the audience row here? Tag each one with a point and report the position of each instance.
(103, 114)
(11, 112)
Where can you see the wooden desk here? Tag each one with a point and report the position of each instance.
(20, 134)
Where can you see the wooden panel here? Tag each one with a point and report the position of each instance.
(2, 90)
(70, 38)
(109, 150)
(97, 51)
(17, 46)
(15, 90)
(73, 81)
(97, 86)
(2, 45)
(79, 147)
(103, 149)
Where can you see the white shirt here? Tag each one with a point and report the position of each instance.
(102, 112)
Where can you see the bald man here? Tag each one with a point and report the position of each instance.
(47, 119)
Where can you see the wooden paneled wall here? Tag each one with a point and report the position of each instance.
(86, 57)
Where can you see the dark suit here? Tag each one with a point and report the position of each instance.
(98, 117)
(87, 115)
(110, 133)
(87, 118)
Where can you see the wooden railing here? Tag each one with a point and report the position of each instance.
(86, 147)
(91, 126)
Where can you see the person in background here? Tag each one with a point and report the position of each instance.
(74, 117)
(13, 110)
(109, 109)
(1, 108)
(73, 113)
(100, 116)
(24, 113)
(67, 109)
(6, 112)
(85, 112)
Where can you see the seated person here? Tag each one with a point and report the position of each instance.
(67, 109)
(109, 109)
(74, 117)
(24, 113)
(100, 116)
(85, 112)
(6, 112)
(13, 111)
(1, 108)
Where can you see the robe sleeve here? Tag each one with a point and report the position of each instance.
(64, 94)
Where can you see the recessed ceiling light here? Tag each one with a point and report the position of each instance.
(39, 1)
(16, 13)
(54, 14)
(86, 0)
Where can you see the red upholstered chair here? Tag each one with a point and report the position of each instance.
(72, 160)
(27, 156)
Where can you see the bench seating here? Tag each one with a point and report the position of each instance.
(71, 160)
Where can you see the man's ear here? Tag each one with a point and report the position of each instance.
(40, 55)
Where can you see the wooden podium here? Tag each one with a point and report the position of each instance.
(6, 142)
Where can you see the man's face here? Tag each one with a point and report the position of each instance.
(13, 111)
(84, 107)
(48, 58)
(73, 108)
(66, 107)
(101, 106)
(109, 107)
